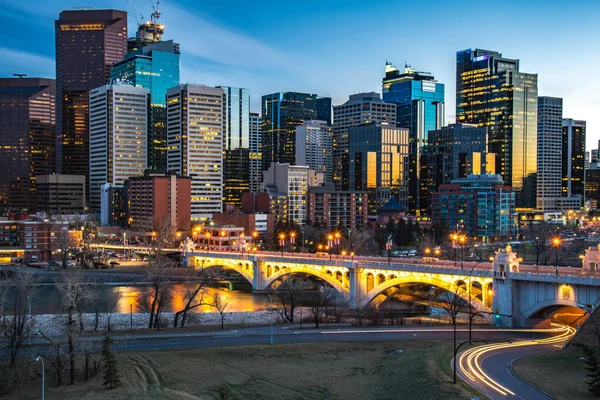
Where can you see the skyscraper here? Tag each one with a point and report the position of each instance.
(155, 67)
(118, 134)
(421, 108)
(195, 144)
(549, 152)
(281, 113)
(236, 144)
(491, 92)
(379, 163)
(27, 139)
(88, 43)
(314, 147)
(255, 152)
(361, 108)
(454, 151)
(573, 158)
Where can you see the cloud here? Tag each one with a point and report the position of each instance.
(25, 62)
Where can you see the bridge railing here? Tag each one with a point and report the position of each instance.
(547, 277)
(447, 270)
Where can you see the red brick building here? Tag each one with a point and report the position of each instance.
(158, 198)
(330, 208)
(31, 238)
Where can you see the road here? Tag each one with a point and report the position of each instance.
(487, 367)
(284, 334)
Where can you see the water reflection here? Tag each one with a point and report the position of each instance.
(48, 299)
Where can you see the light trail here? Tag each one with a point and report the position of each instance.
(470, 361)
(557, 330)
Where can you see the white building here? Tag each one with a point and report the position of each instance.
(549, 148)
(118, 136)
(314, 147)
(255, 152)
(291, 180)
(195, 144)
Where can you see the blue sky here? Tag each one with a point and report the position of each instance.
(336, 48)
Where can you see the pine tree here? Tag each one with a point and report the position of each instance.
(593, 368)
(111, 372)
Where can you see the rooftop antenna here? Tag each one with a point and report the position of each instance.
(20, 75)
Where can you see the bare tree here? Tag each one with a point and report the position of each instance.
(221, 303)
(317, 301)
(195, 290)
(337, 308)
(59, 358)
(16, 322)
(75, 294)
(113, 297)
(290, 293)
(453, 303)
(64, 242)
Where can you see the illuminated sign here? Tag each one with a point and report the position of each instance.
(481, 58)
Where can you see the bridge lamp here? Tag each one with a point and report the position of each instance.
(427, 251)
(352, 255)
(343, 253)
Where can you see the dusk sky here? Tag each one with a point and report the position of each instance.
(337, 48)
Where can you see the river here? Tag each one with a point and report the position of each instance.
(47, 299)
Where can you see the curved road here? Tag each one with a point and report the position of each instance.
(487, 367)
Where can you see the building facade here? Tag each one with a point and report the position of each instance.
(379, 163)
(492, 92)
(159, 201)
(195, 144)
(113, 205)
(549, 149)
(236, 144)
(360, 109)
(329, 208)
(281, 113)
(60, 194)
(255, 164)
(34, 238)
(314, 147)
(291, 181)
(421, 108)
(478, 206)
(118, 136)
(27, 139)
(453, 152)
(88, 43)
(155, 67)
(573, 158)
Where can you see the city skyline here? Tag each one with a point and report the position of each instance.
(255, 47)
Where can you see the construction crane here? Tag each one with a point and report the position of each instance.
(155, 16)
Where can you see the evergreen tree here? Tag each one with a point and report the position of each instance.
(111, 372)
(593, 368)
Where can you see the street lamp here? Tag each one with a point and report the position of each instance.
(427, 251)
(292, 239)
(39, 358)
(337, 242)
(352, 254)
(463, 239)
(556, 243)
(343, 254)
(281, 242)
(454, 244)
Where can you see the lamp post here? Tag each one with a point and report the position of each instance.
(454, 244)
(293, 239)
(431, 289)
(281, 242)
(463, 239)
(330, 244)
(271, 300)
(343, 255)
(470, 307)
(337, 242)
(39, 358)
(556, 243)
(352, 254)
(254, 238)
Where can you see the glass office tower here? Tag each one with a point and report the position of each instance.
(236, 145)
(491, 92)
(420, 108)
(573, 157)
(281, 113)
(154, 67)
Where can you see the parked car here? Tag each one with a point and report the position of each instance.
(54, 264)
(113, 263)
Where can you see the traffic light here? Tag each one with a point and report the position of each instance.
(497, 313)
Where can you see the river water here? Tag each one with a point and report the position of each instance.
(47, 299)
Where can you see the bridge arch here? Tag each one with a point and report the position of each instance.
(534, 309)
(421, 278)
(242, 267)
(340, 286)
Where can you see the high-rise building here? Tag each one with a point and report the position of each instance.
(592, 186)
(549, 152)
(255, 152)
(421, 108)
(453, 152)
(154, 66)
(314, 147)
(195, 144)
(27, 138)
(281, 113)
(379, 163)
(491, 92)
(118, 134)
(113, 205)
(60, 194)
(291, 181)
(236, 144)
(478, 206)
(88, 43)
(361, 108)
(157, 200)
(573, 158)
